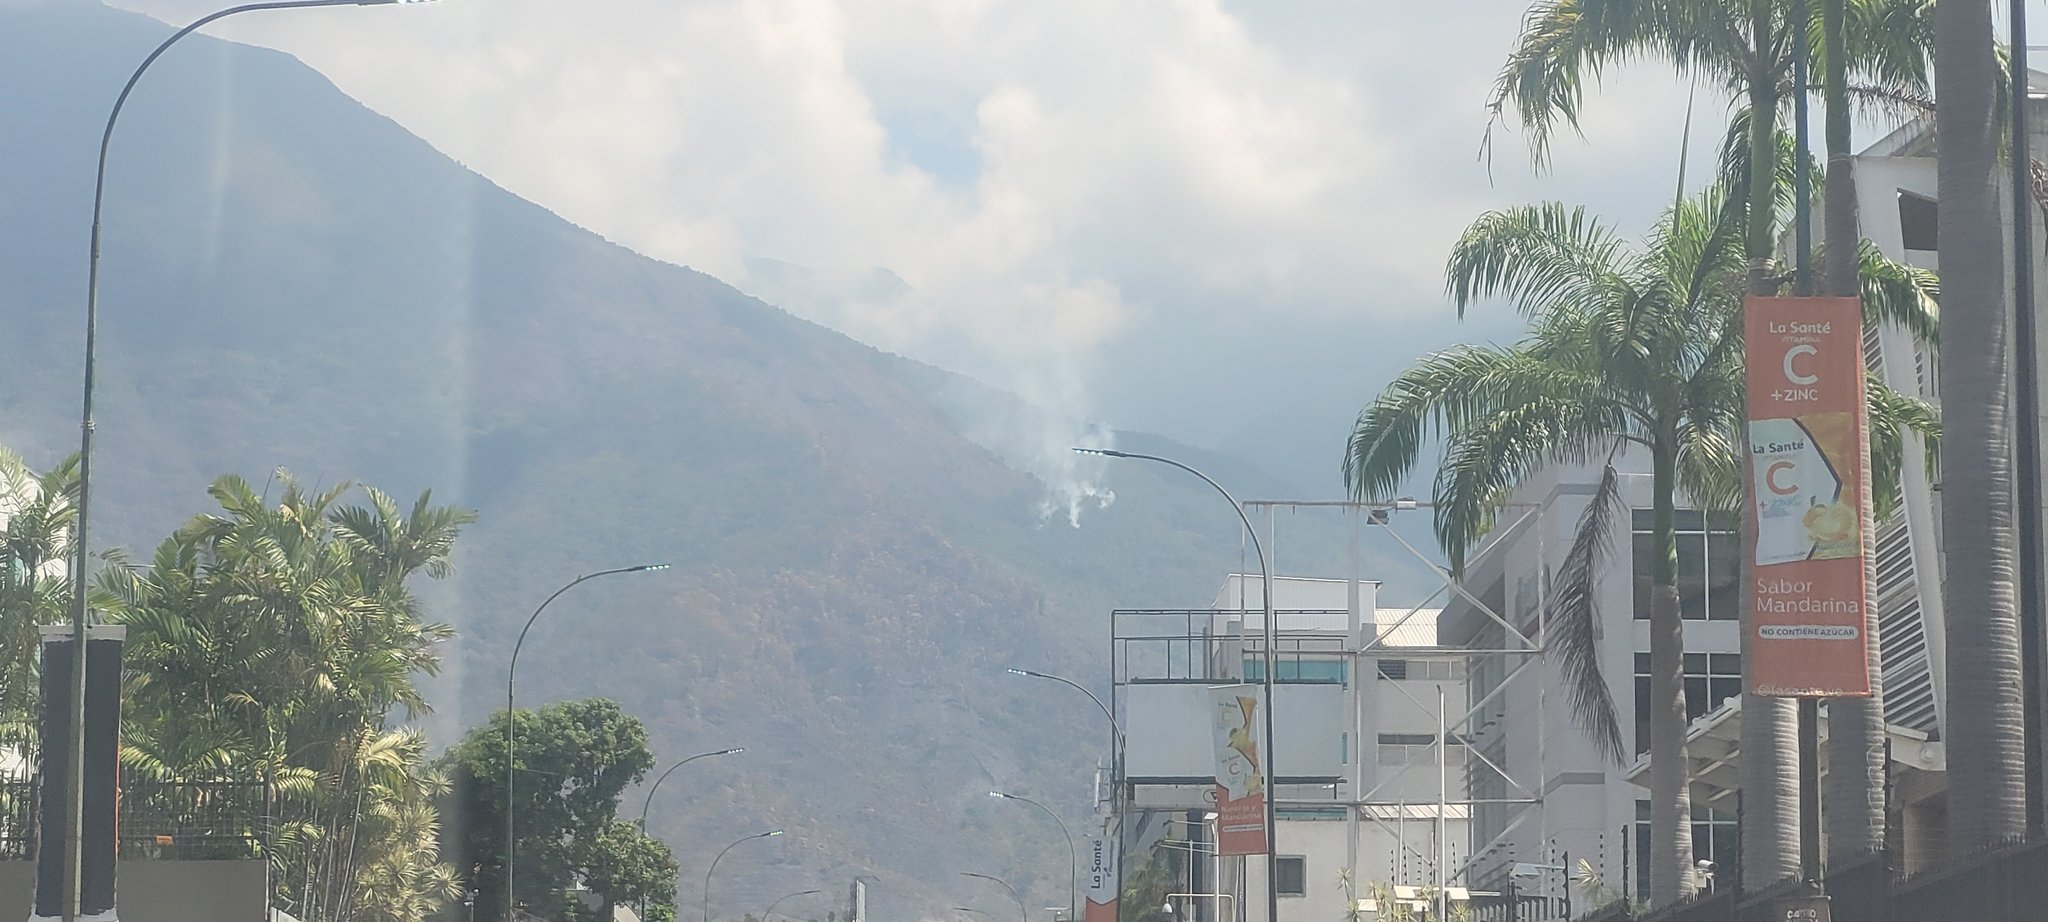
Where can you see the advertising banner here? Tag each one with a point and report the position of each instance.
(1807, 452)
(1240, 778)
(1103, 880)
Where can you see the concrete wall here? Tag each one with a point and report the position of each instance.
(159, 891)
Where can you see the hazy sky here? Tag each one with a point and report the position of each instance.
(1224, 221)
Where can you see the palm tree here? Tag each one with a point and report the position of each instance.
(279, 638)
(1746, 46)
(1986, 766)
(1629, 348)
(37, 512)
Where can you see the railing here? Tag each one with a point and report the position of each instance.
(192, 820)
(2008, 884)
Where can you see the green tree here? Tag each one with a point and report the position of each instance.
(570, 761)
(37, 513)
(278, 640)
(1985, 716)
(1628, 347)
(629, 867)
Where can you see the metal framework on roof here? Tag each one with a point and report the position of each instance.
(1210, 646)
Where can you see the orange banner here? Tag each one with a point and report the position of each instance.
(1240, 778)
(1807, 451)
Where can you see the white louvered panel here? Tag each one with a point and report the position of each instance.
(1908, 684)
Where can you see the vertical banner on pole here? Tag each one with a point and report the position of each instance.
(1806, 442)
(1101, 860)
(1240, 779)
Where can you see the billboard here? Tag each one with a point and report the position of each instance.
(1240, 774)
(1171, 743)
(1103, 880)
(1808, 449)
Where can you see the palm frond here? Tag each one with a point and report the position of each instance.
(1575, 615)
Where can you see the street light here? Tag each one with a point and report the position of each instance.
(664, 777)
(1023, 914)
(511, 673)
(721, 857)
(778, 901)
(1266, 596)
(75, 768)
(1073, 854)
(657, 786)
(1114, 727)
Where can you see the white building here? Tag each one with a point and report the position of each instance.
(1365, 793)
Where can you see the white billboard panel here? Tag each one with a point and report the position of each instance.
(1169, 731)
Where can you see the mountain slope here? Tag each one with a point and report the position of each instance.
(292, 280)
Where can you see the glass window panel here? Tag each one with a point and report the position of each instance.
(1726, 663)
(1723, 689)
(1692, 576)
(1695, 697)
(1723, 554)
(1642, 554)
(1393, 669)
(1291, 876)
(1695, 664)
(1642, 664)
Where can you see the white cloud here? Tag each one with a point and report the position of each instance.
(1047, 177)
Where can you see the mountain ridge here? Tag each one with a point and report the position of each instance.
(292, 280)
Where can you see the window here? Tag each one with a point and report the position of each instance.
(1713, 839)
(1706, 566)
(1291, 872)
(1710, 678)
(1296, 670)
(1445, 670)
(1416, 749)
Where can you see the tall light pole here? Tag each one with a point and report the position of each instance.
(778, 901)
(721, 857)
(511, 674)
(671, 769)
(1116, 768)
(75, 770)
(1265, 596)
(1073, 854)
(1023, 914)
(649, 802)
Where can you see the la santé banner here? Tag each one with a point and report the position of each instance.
(1240, 774)
(1104, 878)
(1807, 451)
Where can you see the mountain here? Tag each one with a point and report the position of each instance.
(860, 543)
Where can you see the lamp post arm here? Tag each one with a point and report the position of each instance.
(1023, 914)
(664, 777)
(714, 869)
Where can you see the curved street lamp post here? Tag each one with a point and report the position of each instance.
(1023, 914)
(664, 777)
(721, 857)
(512, 673)
(778, 901)
(1269, 632)
(74, 774)
(1073, 853)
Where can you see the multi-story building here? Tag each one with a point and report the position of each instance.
(1370, 788)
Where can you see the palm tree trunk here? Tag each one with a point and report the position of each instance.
(1671, 878)
(1854, 794)
(1770, 726)
(1986, 793)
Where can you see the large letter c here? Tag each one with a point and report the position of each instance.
(1794, 376)
(1771, 478)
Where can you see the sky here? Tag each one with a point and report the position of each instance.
(1221, 220)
